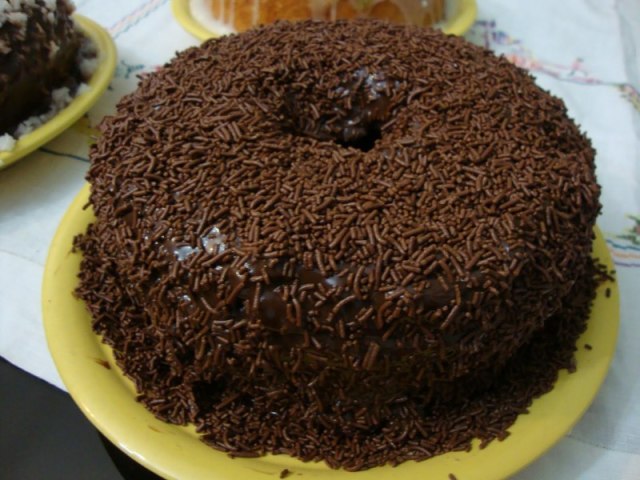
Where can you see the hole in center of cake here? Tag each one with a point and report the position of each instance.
(350, 114)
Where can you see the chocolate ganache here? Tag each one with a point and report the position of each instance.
(363, 221)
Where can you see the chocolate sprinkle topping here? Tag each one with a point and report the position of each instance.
(285, 473)
(351, 242)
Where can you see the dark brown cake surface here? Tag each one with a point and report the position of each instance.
(331, 239)
(39, 47)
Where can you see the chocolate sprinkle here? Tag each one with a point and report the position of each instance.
(351, 242)
(285, 473)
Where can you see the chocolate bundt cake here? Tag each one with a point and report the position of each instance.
(339, 240)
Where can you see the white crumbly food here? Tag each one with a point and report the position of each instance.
(82, 88)
(88, 59)
(88, 66)
(7, 142)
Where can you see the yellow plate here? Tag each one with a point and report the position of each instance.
(463, 14)
(107, 398)
(79, 105)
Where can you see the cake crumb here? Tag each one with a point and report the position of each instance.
(82, 88)
(7, 142)
(285, 473)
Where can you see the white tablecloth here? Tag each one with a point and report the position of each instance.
(587, 52)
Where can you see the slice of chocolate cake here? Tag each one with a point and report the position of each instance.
(41, 62)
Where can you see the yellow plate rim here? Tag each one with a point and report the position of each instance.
(80, 104)
(106, 397)
(461, 22)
